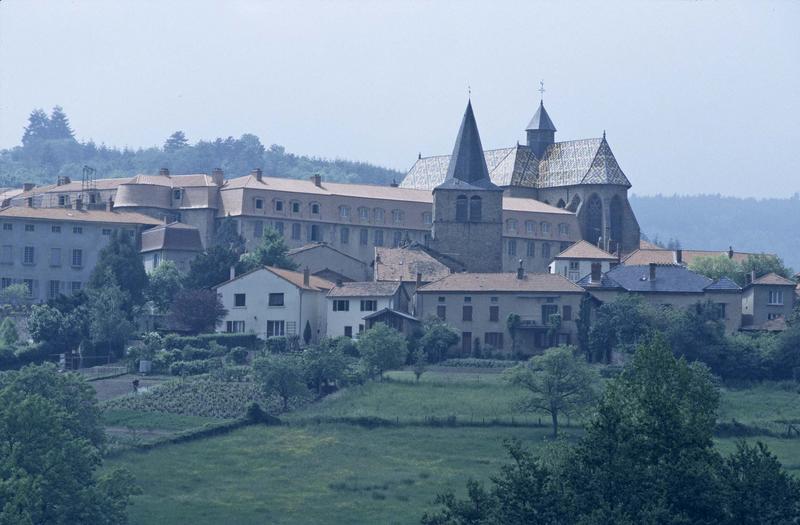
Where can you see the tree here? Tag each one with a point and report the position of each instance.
(307, 333)
(47, 324)
(36, 130)
(50, 441)
(58, 127)
(557, 382)
(109, 326)
(763, 264)
(211, 268)
(382, 348)
(620, 325)
(175, 142)
(437, 338)
(323, 364)
(281, 375)
(271, 251)
(227, 235)
(584, 324)
(8, 333)
(198, 310)
(512, 323)
(165, 281)
(14, 295)
(420, 363)
(120, 264)
(717, 266)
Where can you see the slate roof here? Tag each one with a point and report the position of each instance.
(392, 312)
(467, 167)
(587, 161)
(585, 250)
(541, 120)
(403, 264)
(502, 282)
(72, 215)
(670, 278)
(175, 236)
(774, 279)
(175, 181)
(365, 289)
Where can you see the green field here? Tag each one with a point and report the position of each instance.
(331, 472)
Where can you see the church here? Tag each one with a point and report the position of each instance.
(581, 176)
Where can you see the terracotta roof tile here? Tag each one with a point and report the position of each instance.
(773, 279)
(403, 264)
(647, 256)
(69, 214)
(502, 282)
(585, 250)
(365, 289)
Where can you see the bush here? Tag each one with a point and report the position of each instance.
(8, 359)
(238, 355)
(276, 345)
(228, 341)
(193, 368)
(191, 353)
(232, 374)
(33, 353)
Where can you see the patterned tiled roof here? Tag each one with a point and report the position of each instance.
(588, 161)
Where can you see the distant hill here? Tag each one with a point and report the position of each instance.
(716, 222)
(49, 150)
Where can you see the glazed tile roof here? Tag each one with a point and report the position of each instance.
(174, 236)
(69, 214)
(365, 289)
(585, 250)
(502, 282)
(587, 161)
(403, 264)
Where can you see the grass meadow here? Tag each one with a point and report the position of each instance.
(315, 469)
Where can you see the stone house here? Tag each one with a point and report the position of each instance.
(273, 302)
(767, 302)
(477, 305)
(175, 241)
(576, 261)
(349, 303)
(327, 262)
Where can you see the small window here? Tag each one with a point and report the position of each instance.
(475, 213)
(566, 312)
(462, 206)
(295, 207)
(466, 312)
(776, 297)
(30, 284)
(295, 231)
(530, 249)
(54, 289)
(278, 205)
(77, 229)
(427, 218)
(378, 238)
(344, 235)
(63, 200)
(441, 312)
(234, 327)
(494, 299)
(530, 226)
(548, 310)
(773, 316)
(493, 339)
(278, 227)
(276, 328)
(397, 239)
(441, 299)
(28, 255)
(176, 194)
(30, 228)
(314, 208)
(106, 231)
(348, 331)
(546, 250)
(467, 299)
(75, 286)
(259, 204)
(363, 237)
(314, 233)
(363, 213)
(7, 227)
(344, 212)
(494, 313)
(397, 216)
(563, 228)
(258, 229)
(545, 227)
(239, 300)
(77, 257)
(341, 305)
(512, 246)
(574, 266)
(379, 215)
(511, 225)
(369, 305)
(276, 299)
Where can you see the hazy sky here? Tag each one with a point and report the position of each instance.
(694, 96)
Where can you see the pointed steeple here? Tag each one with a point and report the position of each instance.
(468, 164)
(541, 132)
(541, 120)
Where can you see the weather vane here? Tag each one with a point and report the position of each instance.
(541, 90)
(469, 91)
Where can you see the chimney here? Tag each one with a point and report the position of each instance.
(394, 184)
(163, 172)
(730, 252)
(29, 202)
(232, 272)
(307, 276)
(752, 275)
(317, 180)
(520, 271)
(218, 176)
(679, 256)
(339, 281)
(419, 280)
(257, 173)
(652, 271)
(596, 276)
(28, 186)
(110, 204)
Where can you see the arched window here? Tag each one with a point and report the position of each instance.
(344, 212)
(530, 226)
(574, 204)
(545, 228)
(379, 215)
(314, 208)
(563, 228)
(461, 208)
(615, 218)
(594, 219)
(397, 216)
(511, 225)
(561, 203)
(363, 213)
(475, 208)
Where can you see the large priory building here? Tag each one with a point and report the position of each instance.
(489, 210)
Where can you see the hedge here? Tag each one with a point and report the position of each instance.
(229, 341)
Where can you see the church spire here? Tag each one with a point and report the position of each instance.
(541, 132)
(541, 120)
(467, 164)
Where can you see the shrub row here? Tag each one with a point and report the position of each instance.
(229, 341)
(473, 362)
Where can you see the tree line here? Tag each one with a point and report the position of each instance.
(49, 150)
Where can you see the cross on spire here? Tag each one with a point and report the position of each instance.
(541, 90)
(469, 91)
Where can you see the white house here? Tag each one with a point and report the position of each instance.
(273, 302)
(576, 261)
(349, 303)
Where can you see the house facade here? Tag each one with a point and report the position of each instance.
(767, 302)
(273, 302)
(478, 305)
(576, 261)
(176, 242)
(349, 303)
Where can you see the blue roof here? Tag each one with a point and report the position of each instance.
(467, 168)
(669, 279)
(724, 284)
(541, 120)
